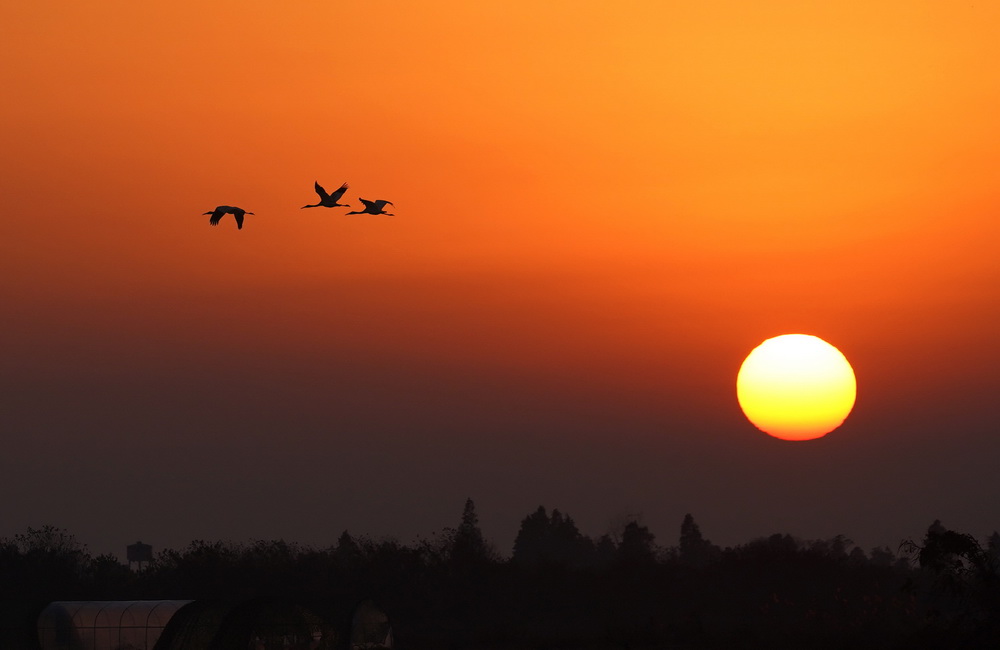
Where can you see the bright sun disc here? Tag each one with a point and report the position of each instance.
(796, 387)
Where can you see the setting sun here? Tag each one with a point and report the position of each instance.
(796, 387)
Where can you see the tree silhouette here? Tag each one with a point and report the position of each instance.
(993, 550)
(949, 553)
(52, 557)
(567, 542)
(882, 556)
(636, 548)
(347, 552)
(551, 540)
(605, 551)
(834, 549)
(531, 543)
(963, 592)
(694, 549)
(772, 592)
(467, 545)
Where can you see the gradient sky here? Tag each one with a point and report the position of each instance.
(601, 208)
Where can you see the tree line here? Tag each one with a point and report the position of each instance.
(560, 587)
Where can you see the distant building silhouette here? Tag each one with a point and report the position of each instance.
(139, 553)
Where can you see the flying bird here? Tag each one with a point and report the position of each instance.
(329, 200)
(223, 210)
(374, 207)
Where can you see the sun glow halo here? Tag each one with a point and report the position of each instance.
(796, 387)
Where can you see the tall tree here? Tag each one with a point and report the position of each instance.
(530, 545)
(568, 544)
(694, 548)
(347, 552)
(636, 548)
(691, 542)
(467, 543)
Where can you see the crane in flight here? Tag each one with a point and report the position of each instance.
(329, 200)
(374, 207)
(223, 210)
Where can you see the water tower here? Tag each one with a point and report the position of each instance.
(139, 553)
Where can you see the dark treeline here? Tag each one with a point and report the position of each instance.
(562, 589)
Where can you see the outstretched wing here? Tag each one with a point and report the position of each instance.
(323, 196)
(339, 193)
(369, 205)
(381, 203)
(217, 214)
(239, 219)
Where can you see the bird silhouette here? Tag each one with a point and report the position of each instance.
(329, 200)
(374, 207)
(223, 210)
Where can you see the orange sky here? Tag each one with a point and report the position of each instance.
(603, 204)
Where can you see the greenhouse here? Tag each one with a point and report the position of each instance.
(370, 628)
(105, 625)
(254, 624)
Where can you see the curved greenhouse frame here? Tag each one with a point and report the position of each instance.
(105, 625)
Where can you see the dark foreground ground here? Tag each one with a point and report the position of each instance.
(780, 603)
